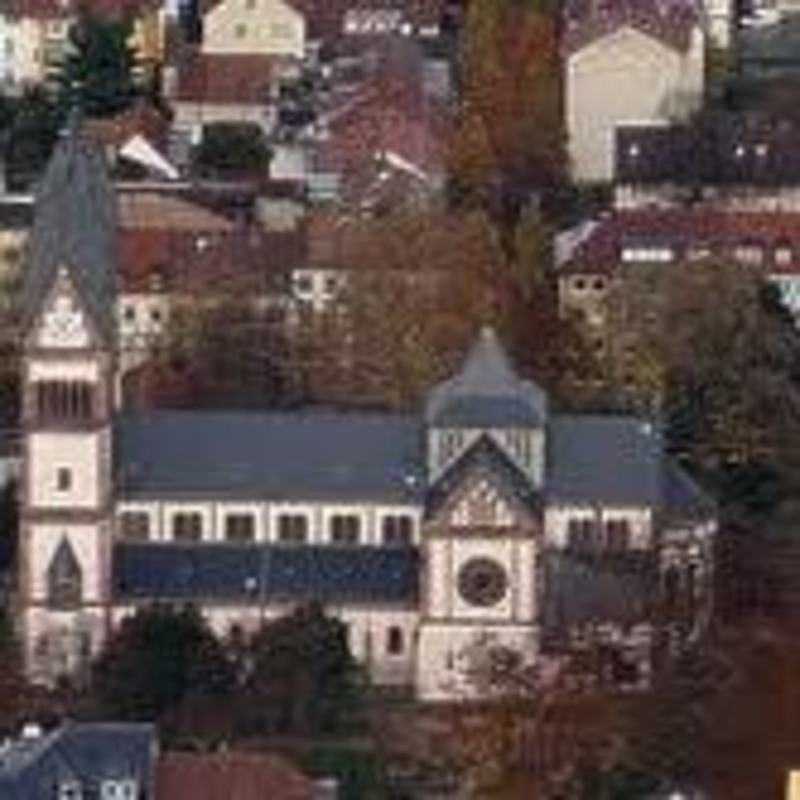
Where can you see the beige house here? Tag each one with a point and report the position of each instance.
(619, 70)
(265, 27)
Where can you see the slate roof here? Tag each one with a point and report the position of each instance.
(86, 752)
(289, 455)
(681, 495)
(609, 588)
(483, 454)
(608, 459)
(75, 224)
(249, 573)
(486, 392)
(725, 149)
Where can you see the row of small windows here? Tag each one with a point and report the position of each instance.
(588, 535)
(240, 528)
(64, 400)
(743, 253)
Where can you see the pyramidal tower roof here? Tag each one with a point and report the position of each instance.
(74, 228)
(486, 392)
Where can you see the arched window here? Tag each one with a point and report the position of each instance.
(64, 578)
(394, 641)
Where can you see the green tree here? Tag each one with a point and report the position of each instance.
(303, 671)
(231, 147)
(157, 659)
(97, 74)
(12, 680)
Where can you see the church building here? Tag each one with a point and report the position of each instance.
(487, 514)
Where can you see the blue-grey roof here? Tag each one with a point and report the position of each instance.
(289, 455)
(85, 752)
(486, 392)
(483, 455)
(603, 459)
(681, 495)
(583, 588)
(268, 573)
(75, 226)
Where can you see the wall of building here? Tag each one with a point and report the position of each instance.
(625, 77)
(268, 27)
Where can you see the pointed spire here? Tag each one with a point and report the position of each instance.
(486, 392)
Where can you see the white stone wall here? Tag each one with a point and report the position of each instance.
(86, 369)
(266, 516)
(625, 77)
(557, 519)
(79, 452)
(445, 557)
(87, 543)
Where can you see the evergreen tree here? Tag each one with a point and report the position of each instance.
(97, 72)
(155, 660)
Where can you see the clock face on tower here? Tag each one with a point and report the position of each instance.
(482, 582)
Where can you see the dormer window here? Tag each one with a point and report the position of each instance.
(119, 790)
(783, 256)
(70, 790)
(749, 254)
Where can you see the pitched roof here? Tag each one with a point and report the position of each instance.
(229, 776)
(723, 150)
(483, 455)
(586, 588)
(486, 392)
(89, 752)
(681, 229)
(142, 118)
(603, 459)
(225, 78)
(290, 455)
(152, 210)
(270, 573)
(669, 21)
(75, 226)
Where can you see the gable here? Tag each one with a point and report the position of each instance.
(478, 494)
(63, 321)
(619, 51)
(265, 27)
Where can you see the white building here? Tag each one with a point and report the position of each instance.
(486, 514)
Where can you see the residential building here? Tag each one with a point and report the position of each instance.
(79, 760)
(486, 516)
(626, 61)
(731, 162)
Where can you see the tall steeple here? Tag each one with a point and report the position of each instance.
(75, 232)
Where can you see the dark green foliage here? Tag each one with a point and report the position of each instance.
(358, 771)
(97, 74)
(157, 659)
(229, 148)
(29, 138)
(303, 670)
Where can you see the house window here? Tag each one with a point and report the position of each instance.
(581, 536)
(240, 31)
(783, 256)
(250, 4)
(64, 578)
(280, 30)
(671, 588)
(397, 529)
(578, 284)
(119, 790)
(240, 528)
(64, 401)
(394, 641)
(748, 254)
(155, 314)
(187, 526)
(302, 284)
(134, 525)
(70, 790)
(617, 535)
(345, 528)
(63, 479)
(129, 313)
(599, 284)
(292, 528)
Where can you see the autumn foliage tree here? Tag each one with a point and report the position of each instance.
(509, 129)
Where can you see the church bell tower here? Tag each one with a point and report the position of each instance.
(68, 346)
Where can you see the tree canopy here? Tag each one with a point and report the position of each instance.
(97, 73)
(157, 658)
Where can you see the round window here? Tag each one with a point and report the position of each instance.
(482, 582)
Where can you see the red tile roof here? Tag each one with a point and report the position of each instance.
(142, 118)
(229, 776)
(718, 231)
(226, 79)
